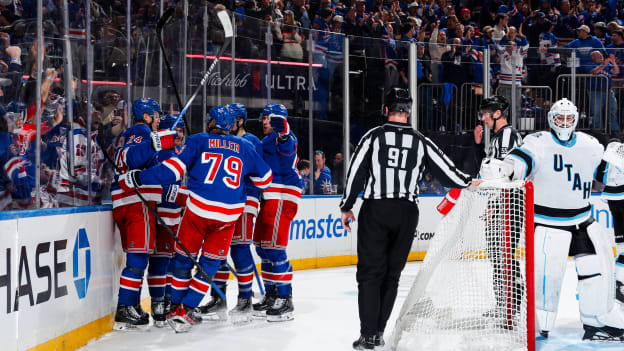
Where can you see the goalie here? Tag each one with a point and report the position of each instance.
(562, 164)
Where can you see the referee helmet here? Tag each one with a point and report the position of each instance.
(492, 104)
(398, 100)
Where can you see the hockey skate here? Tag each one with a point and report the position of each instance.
(183, 318)
(215, 309)
(364, 343)
(282, 310)
(604, 333)
(242, 312)
(260, 308)
(379, 340)
(158, 314)
(144, 315)
(127, 318)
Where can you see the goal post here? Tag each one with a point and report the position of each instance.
(475, 289)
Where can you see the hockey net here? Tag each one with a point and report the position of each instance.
(473, 291)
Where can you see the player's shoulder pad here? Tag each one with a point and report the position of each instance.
(589, 140)
(244, 142)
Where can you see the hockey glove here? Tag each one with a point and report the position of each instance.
(163, 140)
(129, 181)
(177, 194)
(279, 125)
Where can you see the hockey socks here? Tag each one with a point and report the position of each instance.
(280, 275)
(221, 277)
(198, 285)
(243, 262)
(131, 279)
(157, 277)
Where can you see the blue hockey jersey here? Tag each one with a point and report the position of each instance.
(282, 158)
(136, 153)
(253, 193)
(217, 167)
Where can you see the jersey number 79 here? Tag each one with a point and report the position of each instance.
(232, 166)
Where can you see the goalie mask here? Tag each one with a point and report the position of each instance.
(562, 118)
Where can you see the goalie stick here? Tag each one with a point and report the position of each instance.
(158, 218)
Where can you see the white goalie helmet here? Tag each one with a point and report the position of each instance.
(562, 118)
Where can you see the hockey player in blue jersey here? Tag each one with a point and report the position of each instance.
(218, 165)
(160, 268)
(136, 224)
(277, 209)
(240, 249)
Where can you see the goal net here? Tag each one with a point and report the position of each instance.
(474, 291)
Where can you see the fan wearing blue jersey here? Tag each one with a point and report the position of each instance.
(277, 210)
(137, 226)
(240, 249)
(217, 165)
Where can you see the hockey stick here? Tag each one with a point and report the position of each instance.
(159, 27)
(228, 32)
(158, 218)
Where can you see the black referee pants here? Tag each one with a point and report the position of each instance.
(385, 233)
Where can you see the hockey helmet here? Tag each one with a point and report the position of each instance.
(141, 106)
(399, 100)
(562, 118)
(155, 105)
(167, 122)
(222, 116)
(239, 111)
(274, 109)
(492, 104)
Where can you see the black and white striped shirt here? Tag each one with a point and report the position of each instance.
(389, 162)
(502, 142)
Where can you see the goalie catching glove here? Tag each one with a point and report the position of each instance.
(494, 169)
(129, 181)
(279, 125)
(163, 140)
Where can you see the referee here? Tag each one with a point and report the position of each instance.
(387, 164)
(493, 113)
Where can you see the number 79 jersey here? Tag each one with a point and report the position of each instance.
(562, 174)
(218, 167)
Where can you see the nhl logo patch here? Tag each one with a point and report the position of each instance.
(221, 252)
(132, 243)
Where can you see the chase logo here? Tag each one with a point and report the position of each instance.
(82, 263)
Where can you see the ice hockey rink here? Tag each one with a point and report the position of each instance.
(326, 319)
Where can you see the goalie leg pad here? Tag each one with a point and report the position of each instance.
(551, 254)
(593, 286)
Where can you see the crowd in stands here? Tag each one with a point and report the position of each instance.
(530, 43)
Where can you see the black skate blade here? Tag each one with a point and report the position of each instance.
(602, 334)
(288, 316)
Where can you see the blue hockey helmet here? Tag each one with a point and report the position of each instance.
(141, 106)
(275, 109)
(223, 118)
(238, 110)
(167, 122)
(155, 105)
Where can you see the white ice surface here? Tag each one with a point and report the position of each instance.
(326, 318)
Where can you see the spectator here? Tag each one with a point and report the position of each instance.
(437, 47)
(600, 31)
(499, 26)
(615, 51)
(550, 61)
(291, 40)
(567, 21)
(303, 167)
(337, 172)
(600, 90)
(456, 63)
(512, 50)
(322, 174)
(584, 45)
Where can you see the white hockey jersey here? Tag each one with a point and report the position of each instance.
(562, 175)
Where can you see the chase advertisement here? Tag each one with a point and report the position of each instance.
(55, 271)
